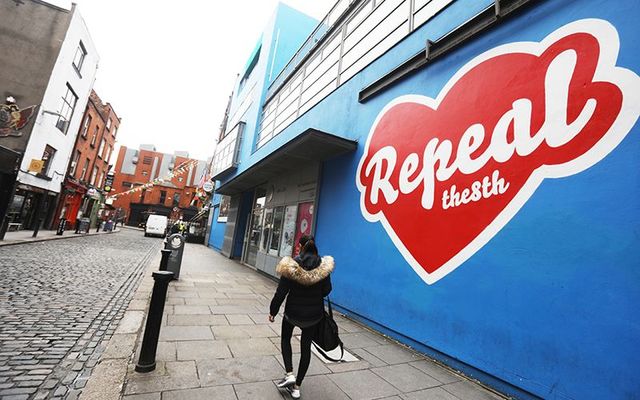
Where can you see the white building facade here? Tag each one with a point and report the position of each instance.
(59, 117)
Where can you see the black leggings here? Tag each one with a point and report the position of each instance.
(305, 348)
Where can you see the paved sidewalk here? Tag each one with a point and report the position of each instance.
(25, 236)
(216, 343)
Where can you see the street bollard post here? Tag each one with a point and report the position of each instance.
(164, 261)
(147, 360)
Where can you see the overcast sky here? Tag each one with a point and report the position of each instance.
(168, 67)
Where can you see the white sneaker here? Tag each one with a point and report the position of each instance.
(295, 393)
(288, 380)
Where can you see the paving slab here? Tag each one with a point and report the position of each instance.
(436, 371)
(171, 333)
(405, 377)
(258, 390)
(466, 390)
(202, 350)
(210, 393)
(197, 320)
(436, 393)
(363, 385)
(252, 347)
(239, 370)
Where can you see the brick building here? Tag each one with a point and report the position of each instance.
(90, 162)
(170, 195)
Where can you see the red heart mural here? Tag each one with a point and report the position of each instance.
(444, 175)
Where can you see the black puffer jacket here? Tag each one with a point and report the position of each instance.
(306, 281)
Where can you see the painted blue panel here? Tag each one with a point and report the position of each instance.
(550, 303)
(216, 237)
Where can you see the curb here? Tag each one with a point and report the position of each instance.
(36, 240)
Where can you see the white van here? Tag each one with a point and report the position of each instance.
(156, 225)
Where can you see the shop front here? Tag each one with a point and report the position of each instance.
(31, 206)
(273, 204)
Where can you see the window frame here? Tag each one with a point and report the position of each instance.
(83, 54)
(66, 110)
(48, 160)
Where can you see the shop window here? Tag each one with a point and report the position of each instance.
(288, 231)
(69, 101)
(78, 59)
(276, 231)
(266, 229)
(163, 196)
(47, 157)
(176, 199)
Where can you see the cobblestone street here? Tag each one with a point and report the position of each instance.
(59, 301)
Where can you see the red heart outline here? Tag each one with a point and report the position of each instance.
(435, 241)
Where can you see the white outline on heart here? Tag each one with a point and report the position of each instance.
(606, 71)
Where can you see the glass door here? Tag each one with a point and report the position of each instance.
(254, 228)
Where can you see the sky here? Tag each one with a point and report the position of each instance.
(168, 67)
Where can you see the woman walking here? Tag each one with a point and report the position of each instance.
(304, 281)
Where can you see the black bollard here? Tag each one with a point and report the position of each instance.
(147, 360)
(164, 261)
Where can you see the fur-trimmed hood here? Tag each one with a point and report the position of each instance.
(289, 268)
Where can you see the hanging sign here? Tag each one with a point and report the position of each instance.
(36, 166)
(445, 175)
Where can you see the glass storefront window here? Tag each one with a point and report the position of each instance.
(288, 230)
(277, 228)
(266, 229)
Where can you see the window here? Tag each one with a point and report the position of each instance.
(109, 124)
(101, 149)
(147, 160)
(78, 60)
(84, 170)
(145, 173)
(94, 174)
(180, 179)
(66, 110)
(163, 196)
(74, 163)
(85, 128)
(95, 136)
(176, 199)
(113, 132)
(47, 157)
(108, 157)
(278, 216)
(127, 184)
(99, 184)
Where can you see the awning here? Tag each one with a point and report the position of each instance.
(311, 145)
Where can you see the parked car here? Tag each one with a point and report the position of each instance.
(156, 225)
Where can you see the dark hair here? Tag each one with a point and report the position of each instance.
(308, 244)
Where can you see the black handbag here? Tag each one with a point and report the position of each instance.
(327, 338)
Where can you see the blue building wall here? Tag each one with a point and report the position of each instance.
(283, 35)
(217, 228)
(550, 303)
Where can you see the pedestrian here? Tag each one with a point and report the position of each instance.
(78, 217)
(304, 281)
